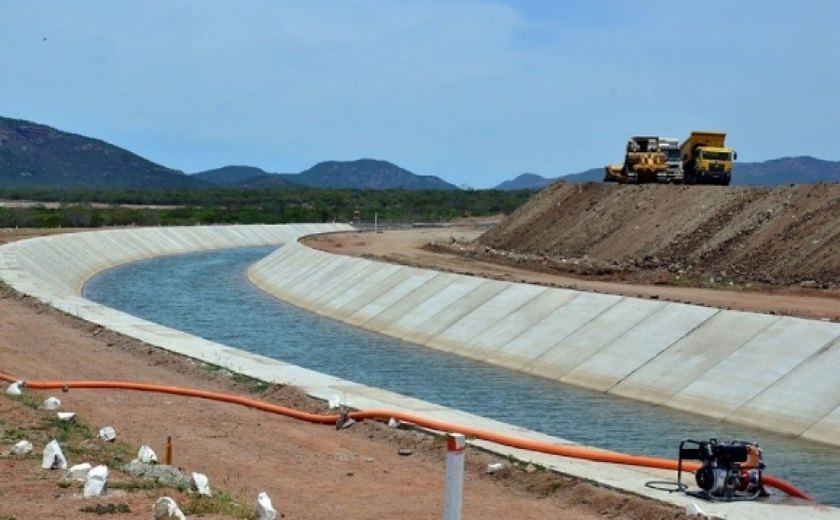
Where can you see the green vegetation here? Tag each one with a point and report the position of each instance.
(218, 504)
(254, 386)
(106, 509)
(119, 207)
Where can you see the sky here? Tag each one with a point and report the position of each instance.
(474, 91)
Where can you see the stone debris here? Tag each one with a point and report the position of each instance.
(96, 481)
(51, 403)
(693, 509)
(147, 455)
(494, 468)
(21, 448)
(79, 471)
(15, 388)
(165, 508)
(165, 475)
(264, 508)
(108, 433)
(53, 456)
(200, 484)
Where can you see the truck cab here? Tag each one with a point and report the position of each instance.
(706, 158)
(670, 146)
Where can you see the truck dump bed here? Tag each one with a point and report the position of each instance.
(703, 138)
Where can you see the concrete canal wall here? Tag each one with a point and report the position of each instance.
(772, 372)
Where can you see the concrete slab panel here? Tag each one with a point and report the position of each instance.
(453, 310)
(352, 272)
(565, 355)
(394, 288)
(318, 271)
(396, 320)
(637, 346)
(755, 367)
(552, 329)
(438, 293)
(800, 399)
(519, 321)
(458, 337)
(364, 289)
(687, 360)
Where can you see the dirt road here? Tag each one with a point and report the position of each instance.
(449, 249)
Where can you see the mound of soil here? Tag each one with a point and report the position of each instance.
(700, 235)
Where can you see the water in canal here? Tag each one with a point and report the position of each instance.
(208, 295)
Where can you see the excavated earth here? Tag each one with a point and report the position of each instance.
(681, 235)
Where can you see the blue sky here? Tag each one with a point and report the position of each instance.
(476, 92)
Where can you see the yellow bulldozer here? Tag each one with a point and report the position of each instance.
(644, 161)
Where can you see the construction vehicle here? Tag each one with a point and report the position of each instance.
(706, 159)
(671, 147)
(643, 162)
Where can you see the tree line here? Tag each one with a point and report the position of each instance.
(151, 207)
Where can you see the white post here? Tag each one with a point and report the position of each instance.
(455, 446)
(375, 220)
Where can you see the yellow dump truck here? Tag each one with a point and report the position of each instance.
(706, 159)
(644, 161)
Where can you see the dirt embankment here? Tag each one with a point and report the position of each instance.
(694, 235)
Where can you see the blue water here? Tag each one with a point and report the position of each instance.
(208, 295)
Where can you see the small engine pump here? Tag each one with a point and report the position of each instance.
(728, 472)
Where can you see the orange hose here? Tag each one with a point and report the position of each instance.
(576, 452)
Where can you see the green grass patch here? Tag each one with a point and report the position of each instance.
(106, 509)
(254, 386)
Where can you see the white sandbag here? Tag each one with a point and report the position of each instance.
(96, 481)
(53, 456)
(147, 455)
(66, 416)
(264, 508)
(21, 448)
(108, 433)
(200, 484)
(334, 402)
(79, 471)
(15, 388)
(166, 509)
(51, 403)
(494, 468)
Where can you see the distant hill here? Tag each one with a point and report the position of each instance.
(40, 156)
(775, 172)
(363, 174)
(526, 181)
(532, 181)
(368, 174)
(230, 175)
(787, 170)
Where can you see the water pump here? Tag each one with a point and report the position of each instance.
(728, 472)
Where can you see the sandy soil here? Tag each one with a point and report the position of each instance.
(449, 249)
(310, 471)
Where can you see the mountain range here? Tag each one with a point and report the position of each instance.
(35, 155)
(787, 170)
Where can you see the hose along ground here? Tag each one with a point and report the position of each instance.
(576, 452)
